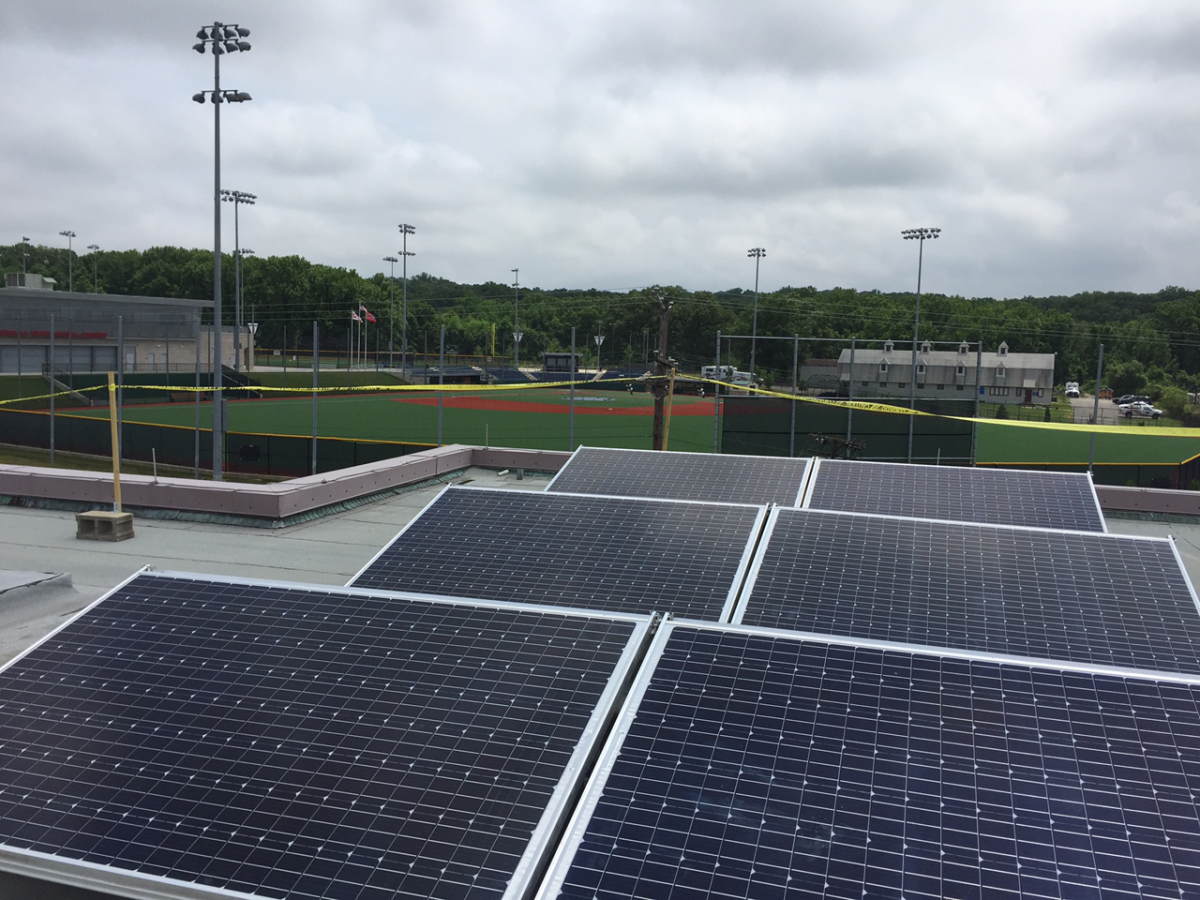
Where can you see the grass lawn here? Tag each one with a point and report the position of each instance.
(536, 418)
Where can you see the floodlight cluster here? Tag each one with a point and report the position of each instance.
(921, 234)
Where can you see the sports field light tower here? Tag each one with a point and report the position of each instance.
(922, 235)
(391, 311)
(237, 198)
(68, 234)
(758, 253)
(24, 252)
(516, 320)
(405, 231)
(219, 39)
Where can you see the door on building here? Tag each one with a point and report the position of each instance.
(1028, 396)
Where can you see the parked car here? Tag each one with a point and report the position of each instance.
(1072, 389)
(1140, 408)
(1131, 398)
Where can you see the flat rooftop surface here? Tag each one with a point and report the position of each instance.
(38, 544)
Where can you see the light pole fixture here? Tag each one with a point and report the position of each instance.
(95, 248)
(516, 319)
(237, 198)
(922, 235)
(599, 340)
(405, 231)
(219, 39)
(391, 310)
(68, 234)
(24, 252)
(758, 253)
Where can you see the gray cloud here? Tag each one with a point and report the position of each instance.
(616, 144)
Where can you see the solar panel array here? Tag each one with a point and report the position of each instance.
(607, 553)
(993, 496)
(682, 476)
(762, 765)
(1104, 599)
(301, 743)
(913, 708)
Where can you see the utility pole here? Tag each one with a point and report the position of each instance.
(662, 367)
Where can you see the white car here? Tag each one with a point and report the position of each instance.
(1140, 408)
(1072, 389)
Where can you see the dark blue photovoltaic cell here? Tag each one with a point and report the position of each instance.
(599, 553)
(299, 743)
(959, 494)
(709, 477)
(758, 766)
(1090, 598)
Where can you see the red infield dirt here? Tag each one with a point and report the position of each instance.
(680, 408)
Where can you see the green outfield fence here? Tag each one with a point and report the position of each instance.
(273, 455)
(761, 426)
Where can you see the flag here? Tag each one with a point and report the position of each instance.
(362, 308)
(354, 316)
(370, 318)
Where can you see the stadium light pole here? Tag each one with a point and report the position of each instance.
(921, 235)
(95, 248)
(237, 198)
(219, 39)
(516, 319)
(68, 234)
(24, 252)
(758, 253)
(405, 231)
(391, 312)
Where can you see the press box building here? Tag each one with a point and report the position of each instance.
(1003, 377)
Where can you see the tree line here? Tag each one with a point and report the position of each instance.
(1151, 341)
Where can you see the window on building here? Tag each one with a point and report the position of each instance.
(941, 387)
(958, 387)
(1002, 350)
(961, 370)
(925, 347)
(887, 346)
(865, 383)
(903, 384)
(963, 349)
(920, 368)
(883, 367)
(1001, 373)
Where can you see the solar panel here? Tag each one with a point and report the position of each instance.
(992, 496)
(754, 765)
(190, 737)
(616, 554)
(1104, 599)
(682, 476)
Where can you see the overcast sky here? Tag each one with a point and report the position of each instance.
(612, 144)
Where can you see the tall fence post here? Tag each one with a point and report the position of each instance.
(1096, 409)
(717, 401)
(795, 385)
(120, 385)
(196, 464)
(51, 388)
(316, 385)
(850, 400)
(571, 420)
(978, 383)
(441, 381)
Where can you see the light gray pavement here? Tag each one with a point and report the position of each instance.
(36, 543)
